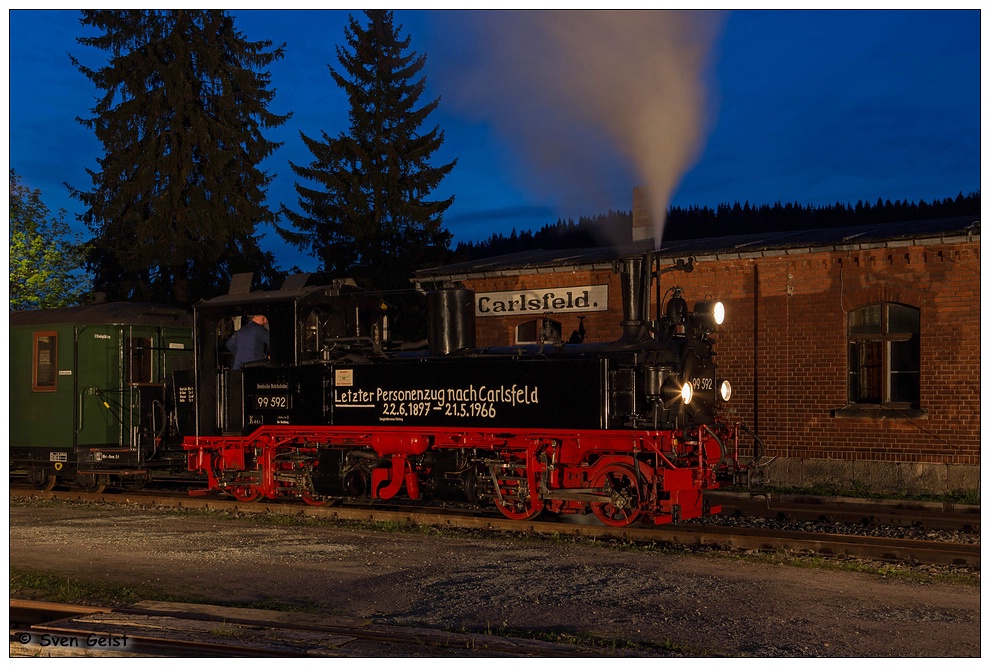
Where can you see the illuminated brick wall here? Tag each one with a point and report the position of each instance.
(784, 347)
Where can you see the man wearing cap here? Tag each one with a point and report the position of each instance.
(250, 342)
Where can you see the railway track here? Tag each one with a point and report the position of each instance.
(162, 629)
(821, 509)
(688, 535)
(934, 516)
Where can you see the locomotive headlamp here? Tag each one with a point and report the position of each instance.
(725, 390)
(709, 314)
(673, 391)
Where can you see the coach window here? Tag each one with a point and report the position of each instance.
(138, 360)
(885, 356)
(539, 331)
(45, 360)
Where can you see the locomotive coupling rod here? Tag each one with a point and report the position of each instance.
(580, 495)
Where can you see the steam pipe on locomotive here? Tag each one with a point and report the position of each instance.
(628, 430)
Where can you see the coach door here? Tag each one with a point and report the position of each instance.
(100, 400)
(118, 371)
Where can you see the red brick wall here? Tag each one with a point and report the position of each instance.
(784, 345)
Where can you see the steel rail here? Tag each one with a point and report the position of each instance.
(687, 535)
(932, 515)
(24, 615)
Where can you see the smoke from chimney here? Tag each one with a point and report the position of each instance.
(579, 87)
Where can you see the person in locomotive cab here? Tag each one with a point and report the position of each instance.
(250, 342)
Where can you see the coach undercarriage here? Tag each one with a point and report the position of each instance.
(620, 477)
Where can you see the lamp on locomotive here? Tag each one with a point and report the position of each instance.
(709, 314)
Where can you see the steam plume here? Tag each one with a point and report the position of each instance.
(578, 84)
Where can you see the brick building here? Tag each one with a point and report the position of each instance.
(853, 352)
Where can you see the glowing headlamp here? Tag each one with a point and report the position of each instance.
(673, 391)
(725, 390)
(709, 314)
(687, 393)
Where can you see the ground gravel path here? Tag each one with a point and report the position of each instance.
(666, 603)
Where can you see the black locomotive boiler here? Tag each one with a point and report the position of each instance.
(628, 430)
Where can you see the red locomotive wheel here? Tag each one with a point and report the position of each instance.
(512, 496)
(245, 494)
(310, 499)
(618, 481)
(518, 510)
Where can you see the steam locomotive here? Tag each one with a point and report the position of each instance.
(627, 430)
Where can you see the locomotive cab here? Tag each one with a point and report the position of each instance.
(306, 325)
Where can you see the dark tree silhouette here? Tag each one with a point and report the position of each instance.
(368, 214)
(724, 220)
(179, 191)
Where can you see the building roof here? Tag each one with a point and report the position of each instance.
(768, 244)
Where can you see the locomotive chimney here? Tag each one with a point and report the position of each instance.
(635, 279)
(642, 219)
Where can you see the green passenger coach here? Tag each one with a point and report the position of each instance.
(89, 392)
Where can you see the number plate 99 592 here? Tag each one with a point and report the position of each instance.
(271, 402)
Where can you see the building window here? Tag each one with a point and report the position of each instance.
(539, 331)
(885, 356)
(45, 360)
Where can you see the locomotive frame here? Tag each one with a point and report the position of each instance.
(627, 430)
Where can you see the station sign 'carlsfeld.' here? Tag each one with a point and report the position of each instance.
(585, 298)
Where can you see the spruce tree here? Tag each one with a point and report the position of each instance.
(368, 214)
(179, 191)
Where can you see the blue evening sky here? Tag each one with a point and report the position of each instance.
(813, 107)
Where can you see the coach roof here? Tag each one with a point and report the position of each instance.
(113, 312)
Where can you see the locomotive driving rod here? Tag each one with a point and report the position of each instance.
(571, 494)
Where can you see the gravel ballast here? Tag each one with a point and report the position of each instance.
(652, 602)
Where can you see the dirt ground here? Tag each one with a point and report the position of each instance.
(672, 604)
